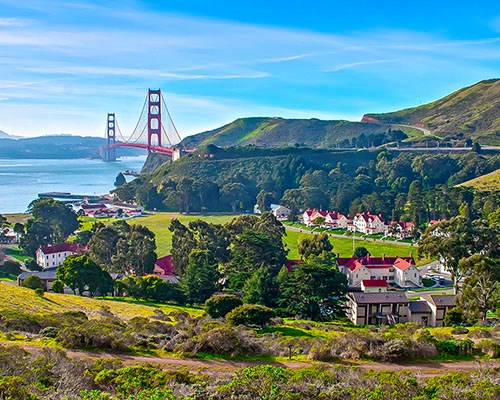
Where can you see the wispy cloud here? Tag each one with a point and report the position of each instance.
(359, 64)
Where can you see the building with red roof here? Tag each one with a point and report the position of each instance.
(54, 256)
(367, 223)
(400, 271)
(164, 268)
(374, 285)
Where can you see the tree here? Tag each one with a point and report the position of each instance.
(60, 220)
(264, 201)
(261, 288)
(235, 194)
(459, 238)
(250, 315)
(183, 242)
(11, 267)
(201, 279)
(219, 305)
(314, 289)
(481, 286)
(81, 273)
(33, 282)
(135, 251)
(360, 251)
(18, 228)
(156, 289)
(102, 245)
(57, 287)
(314, 245)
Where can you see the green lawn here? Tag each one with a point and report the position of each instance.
(344, 247)
(87, 222)
(17, 253)
(160, 222)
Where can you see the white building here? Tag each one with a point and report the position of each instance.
(54, 256)
(367, 223)
(280, 212)
(400, 271)
(335, 220)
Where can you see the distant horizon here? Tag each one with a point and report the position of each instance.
(226, 123)
(65, 65)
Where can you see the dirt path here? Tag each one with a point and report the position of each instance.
(220, 366)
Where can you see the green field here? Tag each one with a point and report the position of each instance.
(17, 253)
(160, 222)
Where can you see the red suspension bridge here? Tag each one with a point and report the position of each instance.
(155, 131)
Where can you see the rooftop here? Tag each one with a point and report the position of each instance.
(379, 298)
(62, 247)
(374, 283)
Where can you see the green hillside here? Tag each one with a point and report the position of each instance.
(473, 111)
(280, 132)
(486, 183)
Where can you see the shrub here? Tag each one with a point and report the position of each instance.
(489, 347)
(49, 331)
(39, 292)
(58, 287)
(219, 305)
(455, 316)
(33, 282)
(10, 267)
(250, 315)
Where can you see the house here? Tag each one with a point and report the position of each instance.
(399, 230)
(48, 276)
(419, 312)
(164, 268)
(54, 256)
(280, 212)
(367, 223)
(373, 286)
(335, 220)
(400, 271)
(439, 305)
(394, 307)
(131, 210)
(377, 308)
(309, 216)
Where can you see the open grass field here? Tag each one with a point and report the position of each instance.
(160, 222)
(25, 300)
(344, 246)
(17, 253)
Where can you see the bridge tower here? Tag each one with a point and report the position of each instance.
(110, 152)
(154, 117)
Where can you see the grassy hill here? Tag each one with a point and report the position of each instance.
(486, 183)
(18, 298)
(280, 132)
(473, 111)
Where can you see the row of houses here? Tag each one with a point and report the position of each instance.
(104, 210)
(364, 222)
(367, 308)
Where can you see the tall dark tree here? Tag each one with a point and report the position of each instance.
(314, 289)
(201, 279)
(102, 245)
(136, 251)
(183, 242)
(264, 199)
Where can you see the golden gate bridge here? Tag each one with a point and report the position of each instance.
(155, 131)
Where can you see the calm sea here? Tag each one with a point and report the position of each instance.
(22, 180)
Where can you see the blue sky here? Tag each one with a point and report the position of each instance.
(65, 64)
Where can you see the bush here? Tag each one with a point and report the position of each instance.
(33, 282)
(10, 267)
(250, 315)
(58, 287)
(39, 292)
(219, 305)
(455, 316)
(49, 331)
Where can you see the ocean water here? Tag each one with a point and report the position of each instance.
(22, 180)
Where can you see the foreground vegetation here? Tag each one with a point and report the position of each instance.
(58, 377)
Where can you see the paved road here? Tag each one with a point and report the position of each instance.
(426, 132)
(292, 228)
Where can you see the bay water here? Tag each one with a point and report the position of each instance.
(22, 180)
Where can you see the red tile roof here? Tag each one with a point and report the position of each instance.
(354, 263)
(367, 216)
(374, 283)
(61, 247)
(165, 263)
